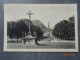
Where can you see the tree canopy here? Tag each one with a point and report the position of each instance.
(65, 29)
(15, 29)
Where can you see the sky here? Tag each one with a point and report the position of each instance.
(52, 13)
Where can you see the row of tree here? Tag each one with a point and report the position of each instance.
(15, 29)
(65, 29)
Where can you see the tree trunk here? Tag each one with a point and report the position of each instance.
(36, 41)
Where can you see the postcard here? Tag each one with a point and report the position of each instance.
(40, 28)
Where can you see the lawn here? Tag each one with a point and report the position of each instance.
(44, 44)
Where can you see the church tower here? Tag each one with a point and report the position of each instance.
(47, 32)
(48, 29)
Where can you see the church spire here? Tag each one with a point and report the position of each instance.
(48, 26)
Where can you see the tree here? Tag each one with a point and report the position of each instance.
(15, 29)
(20, 27)
(39, 32)
(72, 28)
(10, 29)
(64, 29)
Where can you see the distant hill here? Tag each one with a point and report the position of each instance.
(39, 24)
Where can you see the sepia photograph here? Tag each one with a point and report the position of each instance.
(40, 28)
